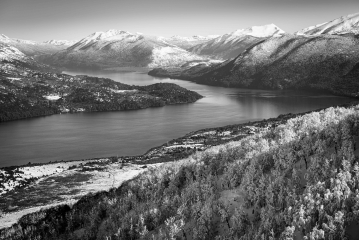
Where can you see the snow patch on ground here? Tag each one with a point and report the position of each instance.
(113, 175)
(9, 219)
(185, 146)
(53, 97)
(12, 78)
(124, 91)
(22, 174)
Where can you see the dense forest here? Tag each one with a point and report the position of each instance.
(28, 96)
(298, 180)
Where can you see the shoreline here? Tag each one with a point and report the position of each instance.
(179, 74)
(101, 176)
(189, 134)
(85, 170)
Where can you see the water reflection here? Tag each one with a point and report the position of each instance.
(87, 135)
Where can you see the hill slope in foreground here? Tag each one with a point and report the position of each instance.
(289, 181)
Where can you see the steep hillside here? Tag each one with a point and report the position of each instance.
(113, 49)
(32, 48)
(12, 58)
(232, 44)
(321, 62)
(344, 25)
(325, 62)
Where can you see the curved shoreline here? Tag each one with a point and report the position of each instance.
(87, 171)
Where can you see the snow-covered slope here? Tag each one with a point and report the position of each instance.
(6, 39)
(344, 25)
(170, 56)
(32, 48)
(187, 42)
(9, 53)
(111, 34)
(232, 44)
(114, 48)
(325, 62)
(13, 58)
(264, 31)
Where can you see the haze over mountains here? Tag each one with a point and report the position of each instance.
(284, 178)
(114, 48)
(321, 57)
(32, 48)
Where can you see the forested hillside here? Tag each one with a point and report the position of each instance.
(31, 94)
(298, 180)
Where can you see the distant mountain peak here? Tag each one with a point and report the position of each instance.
(111, 34)
(96, 36)
(116, 32)
(192, 38)
(343, 25)
(268, 30)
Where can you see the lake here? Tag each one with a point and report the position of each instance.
(104, 134)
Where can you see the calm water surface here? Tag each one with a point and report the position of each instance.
(88, 135)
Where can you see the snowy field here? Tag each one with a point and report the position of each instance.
(57, 184)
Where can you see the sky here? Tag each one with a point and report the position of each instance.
(42, 20)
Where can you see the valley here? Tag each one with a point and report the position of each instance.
(277, 156)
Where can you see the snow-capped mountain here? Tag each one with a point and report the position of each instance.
(231, 44)
(187, 42)
(96, 37)
(32, 48)
(264, 31)
(116, 48)
(325, 62)
(13, 58)
(9, 53)
(6, 39)
(344, 25)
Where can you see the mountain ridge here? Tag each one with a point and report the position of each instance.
(348, 24)
(33, 48)
(232, 44)
(116, 49)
